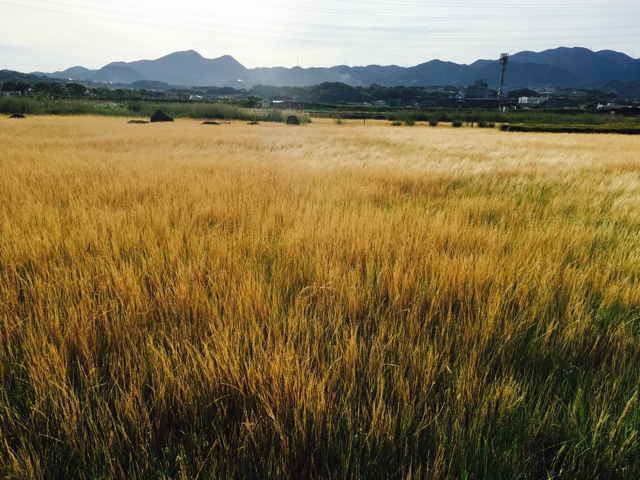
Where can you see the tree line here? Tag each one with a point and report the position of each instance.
(324, 93)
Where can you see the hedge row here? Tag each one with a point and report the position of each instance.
(625, 128)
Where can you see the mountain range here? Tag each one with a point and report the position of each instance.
(559, 67)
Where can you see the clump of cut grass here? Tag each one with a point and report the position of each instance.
(303, 118)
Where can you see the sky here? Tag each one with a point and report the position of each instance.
(51, 35)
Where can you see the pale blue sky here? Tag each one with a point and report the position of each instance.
(48, 35)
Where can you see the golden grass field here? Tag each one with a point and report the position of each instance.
(325, 301)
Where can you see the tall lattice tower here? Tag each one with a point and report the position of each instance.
(504, 58)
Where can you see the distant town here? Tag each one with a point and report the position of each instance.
(476, 95)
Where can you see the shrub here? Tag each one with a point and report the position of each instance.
(135, 106)
(456, 123)
(433, 122)
(18, 105)
(273, 116)
(338, 121)
(209, 111)
(396, 123)
(406, 116)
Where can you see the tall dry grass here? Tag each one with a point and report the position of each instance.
(354, 301)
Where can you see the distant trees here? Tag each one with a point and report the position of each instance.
(224, 91)
(591, 105)
(15, 86)
(324, 93)
(76, 89)
(335, 92)
(267, 91)
(41, 87)
(251, 101)
(102, 92)
(56, 90)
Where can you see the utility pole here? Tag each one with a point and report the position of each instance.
(504, 58)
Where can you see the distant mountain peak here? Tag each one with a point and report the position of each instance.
(185, 53)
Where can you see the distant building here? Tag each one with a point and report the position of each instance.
(530, 101)
(479, 103)
(479, 89)
(426, 104)
(281, 98)
(447, 102)
(196, 98)
(611, 105)
(571, 93)
(288, 105)
(467, 103)
(558, 103)
(380, 103)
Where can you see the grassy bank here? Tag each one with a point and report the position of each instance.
(530, 117)
(336, 301)
(620, 128)
(195, 110)
(226, 111)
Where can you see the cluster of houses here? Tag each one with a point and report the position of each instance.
(545, 102)
(24, 93)
(561, 98)
(476, 95)
(282, 102)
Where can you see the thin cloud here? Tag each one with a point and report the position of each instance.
(280, 32)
